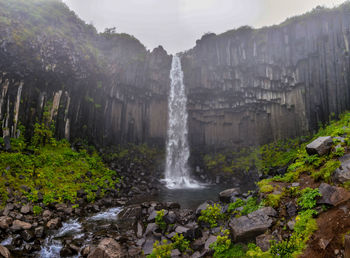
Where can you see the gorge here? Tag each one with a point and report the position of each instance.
(238, 147)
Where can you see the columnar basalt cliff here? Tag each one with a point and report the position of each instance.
(254, 86)
(104, 87)
(245, 87)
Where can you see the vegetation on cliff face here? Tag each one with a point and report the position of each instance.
(45, 170)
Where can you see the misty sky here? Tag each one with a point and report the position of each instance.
(177, 24)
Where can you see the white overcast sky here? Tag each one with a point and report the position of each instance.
(177, 24)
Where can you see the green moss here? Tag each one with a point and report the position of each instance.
(54, 168)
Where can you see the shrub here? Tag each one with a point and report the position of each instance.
(161, 250)
(307, 200)
(160, 220)
(180, 243)
(211, 215)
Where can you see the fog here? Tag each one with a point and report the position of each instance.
(177, 24)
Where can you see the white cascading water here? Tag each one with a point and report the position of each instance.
(177, 149)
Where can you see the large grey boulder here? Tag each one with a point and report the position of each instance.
(332, 195)
(225, 196)
(253, 224)
(320, 146)
(342, 174)
(107, 248)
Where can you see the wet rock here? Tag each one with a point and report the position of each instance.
(4, 252)
(27, 235)
(170, 218)
(26, 209)
(86, 250)
(54, 223)
(20, 225)
(225, 196)
(5, 222)
(39, 232)
(263, 241)
(107, 248)
(172, 205)
(332, 195)
(342, 174)
(151, 227)
(320, 146)
(252, 225)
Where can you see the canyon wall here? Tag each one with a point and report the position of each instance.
(252, 86)
(245, 87)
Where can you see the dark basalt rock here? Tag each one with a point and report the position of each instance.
(320, 146)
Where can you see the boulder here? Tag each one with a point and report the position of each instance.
(253, 224)
(107, 248)
(181, 229)
(151, 227)
(320, 146)
(4, 252)
(20, 225)
(26, 209)
(332, 195)
(5, 222)
(225, 196)
(342, 174)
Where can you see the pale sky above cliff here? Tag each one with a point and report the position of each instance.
(177, 24)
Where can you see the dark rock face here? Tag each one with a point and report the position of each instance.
(245, 87)
(254, 86)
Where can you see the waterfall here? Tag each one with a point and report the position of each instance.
(177, 173)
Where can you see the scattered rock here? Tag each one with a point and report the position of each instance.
(252, 225)
(203, 206)
(139, 229)
(175, 253)
(148, 245)
(5, 222)
(27, 235)
(291, 224)
(323, 243)
(181, 229)
(4, 252)
(332, 195)
(342, 174)
(151, 227)
(26, 209)
(291, 209)
(107, 248)
(39, 232)
(170, 218)
(54, 223)
(225, 196)
(86, 250)
(320, 146)
(263, 241)
(209, 241)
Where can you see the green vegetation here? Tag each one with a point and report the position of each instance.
(160, 220)
(307, 200)
(250, 205)
(37, 210)
(163, 250)
(45, 170)
(211, 215)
